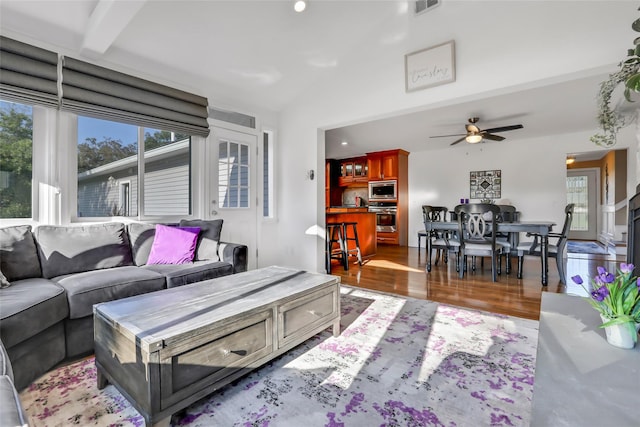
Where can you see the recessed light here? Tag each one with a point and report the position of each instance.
(344, 143)
(300, 5)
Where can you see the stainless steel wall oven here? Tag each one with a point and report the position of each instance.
(385, 216)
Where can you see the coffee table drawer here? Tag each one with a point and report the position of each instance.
(214, 357)
(306, 313)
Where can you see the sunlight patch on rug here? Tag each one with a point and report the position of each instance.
(397, 362)
(363, 340)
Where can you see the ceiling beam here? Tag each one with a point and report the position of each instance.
(107, 21)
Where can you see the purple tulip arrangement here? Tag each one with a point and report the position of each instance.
(615, 297)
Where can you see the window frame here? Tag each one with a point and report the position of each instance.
(229, 169)
(41, 127)
(271, 135)
(55, 165)
(72, 182)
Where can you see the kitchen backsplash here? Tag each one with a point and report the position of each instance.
(350, 193)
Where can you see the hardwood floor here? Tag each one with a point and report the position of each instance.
(402, 271)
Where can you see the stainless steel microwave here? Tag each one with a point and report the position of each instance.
(383, 190)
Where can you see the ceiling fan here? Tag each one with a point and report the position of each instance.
(475, 134)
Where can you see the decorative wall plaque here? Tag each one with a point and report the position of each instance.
(429, 67)
(485, 184)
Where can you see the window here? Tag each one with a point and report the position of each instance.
(16, 160)
(267, 175)
(107, 155)
(233, 178)
(109, 180)
(167, 172)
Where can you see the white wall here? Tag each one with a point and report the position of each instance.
(533, 174)
(526, 45)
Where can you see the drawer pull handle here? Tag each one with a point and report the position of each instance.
(315, 313)
(236, 352)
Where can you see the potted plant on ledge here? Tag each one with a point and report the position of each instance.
(617, 299)
(609, 119)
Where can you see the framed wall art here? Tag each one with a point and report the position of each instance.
(429, 67)
(485, 184)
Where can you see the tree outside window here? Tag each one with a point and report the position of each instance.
(16, 160)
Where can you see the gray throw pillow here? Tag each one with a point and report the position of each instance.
(18, 253)
(208, 239)
(74, 249)
(4, 283)
(141, 236)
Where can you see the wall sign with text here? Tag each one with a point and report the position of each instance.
(429, 67)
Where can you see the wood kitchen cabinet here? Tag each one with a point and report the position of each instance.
(366, 226)
(388, 238)
(360, 170)
(393, 165)
(384, 165)
(333, 194)
(354, 170)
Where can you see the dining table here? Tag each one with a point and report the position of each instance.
(542, 228)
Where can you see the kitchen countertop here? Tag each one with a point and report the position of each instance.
(347, 209)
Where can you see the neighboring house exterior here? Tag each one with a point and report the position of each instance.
(112, 189)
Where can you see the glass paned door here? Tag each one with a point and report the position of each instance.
(582, 191)
(233, 189)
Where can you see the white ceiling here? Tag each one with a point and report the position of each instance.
(265, 54)
(262, 49)
(550, 110)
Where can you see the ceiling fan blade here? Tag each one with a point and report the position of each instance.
(504, 128)
(443, 136)
(492, 137)
(458, 140)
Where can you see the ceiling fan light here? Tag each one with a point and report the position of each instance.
(473, 139)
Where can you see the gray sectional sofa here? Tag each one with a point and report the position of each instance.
(11, 412)
(54, 274)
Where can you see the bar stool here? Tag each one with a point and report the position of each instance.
(334, 234)
(354, 238)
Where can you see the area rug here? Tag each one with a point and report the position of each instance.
(397, 362)
(577, 247)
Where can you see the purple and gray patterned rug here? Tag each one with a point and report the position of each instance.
(398, 362)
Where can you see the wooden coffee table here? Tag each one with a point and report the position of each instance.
(167, 349)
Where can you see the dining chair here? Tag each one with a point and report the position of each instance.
(554, 250)
(440, 240)
(477, 234)
(508, 213)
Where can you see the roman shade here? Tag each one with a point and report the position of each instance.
(103, 93)
(28, 74)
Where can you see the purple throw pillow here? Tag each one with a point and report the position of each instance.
(173, 245)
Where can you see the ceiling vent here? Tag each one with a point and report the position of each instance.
(421, 6)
